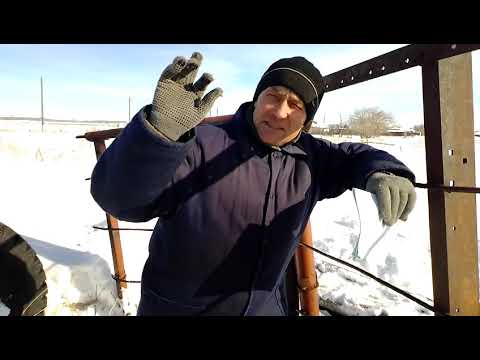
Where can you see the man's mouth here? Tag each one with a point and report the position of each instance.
(271, 127)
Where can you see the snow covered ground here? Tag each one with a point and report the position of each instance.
(399, 254)
(44, 196)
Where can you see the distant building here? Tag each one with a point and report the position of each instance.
(397, 131)
(335, 129)
(319, 130)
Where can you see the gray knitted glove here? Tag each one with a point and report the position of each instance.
(177, 105)
(395, 196)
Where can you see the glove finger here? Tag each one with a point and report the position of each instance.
(201, 84)
(187, 75)
(395, 202)
(412, 199)
(174, 68)
(384, 204)
(207, 102)
(403, 203)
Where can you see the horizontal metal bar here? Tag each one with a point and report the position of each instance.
(100, 135)
(459, 189)
(117, 228)
(124, 280)
(103, 135)
(394, 61)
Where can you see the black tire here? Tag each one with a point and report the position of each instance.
(23, 287)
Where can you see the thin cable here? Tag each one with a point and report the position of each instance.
(355, 248)
(383, 282)
(387, 229)
(355, 254)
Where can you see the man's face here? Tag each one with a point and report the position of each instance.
(279, 115)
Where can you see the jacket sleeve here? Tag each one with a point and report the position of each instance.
(130, 178)
(347, 165)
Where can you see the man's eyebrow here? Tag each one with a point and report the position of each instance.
(286, 92)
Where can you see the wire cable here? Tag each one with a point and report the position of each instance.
(381, 281)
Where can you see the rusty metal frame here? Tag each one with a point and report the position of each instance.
(453, 236)
(307, 275)
(115, 243)
(393, 61)
(450, 155)
(450, 152)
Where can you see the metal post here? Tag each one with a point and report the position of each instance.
(449, 145)
(306, 275)
(129, 117)
(41, 99)
(114, 235)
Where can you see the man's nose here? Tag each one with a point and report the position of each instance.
(282, 110)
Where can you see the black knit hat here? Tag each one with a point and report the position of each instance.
(299, 75)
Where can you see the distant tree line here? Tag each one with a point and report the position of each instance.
(367, 123)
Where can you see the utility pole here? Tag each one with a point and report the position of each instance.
(341, 124)
(129, 102)
(41, 99)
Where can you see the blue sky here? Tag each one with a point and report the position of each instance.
(93, 82)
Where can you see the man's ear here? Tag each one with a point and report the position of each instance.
(306, 127)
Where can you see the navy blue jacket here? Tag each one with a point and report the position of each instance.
(231, 210)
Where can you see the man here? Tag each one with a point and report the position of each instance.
(233, 199)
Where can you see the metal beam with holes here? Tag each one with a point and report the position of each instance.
(394, 61)
(450, 158)
(450, 152)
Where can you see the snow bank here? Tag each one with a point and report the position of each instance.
(46, 199)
